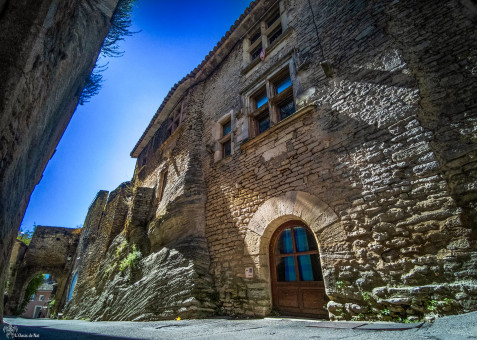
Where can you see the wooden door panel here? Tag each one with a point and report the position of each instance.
(288, 297)
(312, 298)
(293, 250)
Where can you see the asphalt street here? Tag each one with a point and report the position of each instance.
(449, 327)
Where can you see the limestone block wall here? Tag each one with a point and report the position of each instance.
(371, 149)
(378, 160)
(49, 47)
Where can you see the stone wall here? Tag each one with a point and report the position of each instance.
(377, 160)
(386, 145)
(48, 48)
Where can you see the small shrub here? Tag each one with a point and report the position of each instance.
(431, 305)
(120, 248)
(339, 284)
(132, 260)
(365, 296)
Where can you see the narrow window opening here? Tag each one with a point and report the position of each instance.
(273, 18)
(226, 128)
(226, 148)
(275, 35)
(256, 52)
(263, 122)
(163, 185)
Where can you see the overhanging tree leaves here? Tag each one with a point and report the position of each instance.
(120, 29)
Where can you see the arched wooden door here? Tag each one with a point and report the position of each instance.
(297, 280)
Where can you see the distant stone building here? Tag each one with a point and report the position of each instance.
(38, 305)
(321, 161)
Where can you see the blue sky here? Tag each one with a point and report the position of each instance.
(93, 154)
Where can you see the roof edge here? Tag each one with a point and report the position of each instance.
(195, 76)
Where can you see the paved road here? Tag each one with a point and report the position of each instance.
(446, 328)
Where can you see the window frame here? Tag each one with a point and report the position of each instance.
(265, 32)
(223, 139)
(175, 119)
(275, 99)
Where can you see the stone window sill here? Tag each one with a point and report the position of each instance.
(281, 124)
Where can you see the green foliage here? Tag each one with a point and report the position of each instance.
(51, 304)
(365, 296)
(132, 260)
(359, 317)
(339, 284)
(449, 302)
(120, 24)
(431, 305)
(120, 248)
(385, 312)
(31, 289)
(26, 236)
(110, 269)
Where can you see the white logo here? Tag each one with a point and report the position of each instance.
(10, 330)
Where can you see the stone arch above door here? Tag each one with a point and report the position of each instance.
(294, 205)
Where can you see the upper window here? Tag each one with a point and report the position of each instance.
(226, 140)
(222, 133)
(42, 298)
(272, 102)
(265, 34)
(175, 119)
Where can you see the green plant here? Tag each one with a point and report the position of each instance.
(51, 304)
(120, 24)
(120, 248)
(431, 305)
(26, 236)
(365, 296)
(31, 289)
(339, 284)
(385, 312)
(132, 260)
(449, 302)
(110, 269)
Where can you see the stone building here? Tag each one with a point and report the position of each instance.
(38, 306)
(320, 161)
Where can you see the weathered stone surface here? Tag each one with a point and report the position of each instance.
(48, 48)
(378, 160)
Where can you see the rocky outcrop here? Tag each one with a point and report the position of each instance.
(48, 48)
(170, 283)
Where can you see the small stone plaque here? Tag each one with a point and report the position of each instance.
(249, 272)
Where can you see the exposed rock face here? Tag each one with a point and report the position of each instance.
(377, 159)
(171, 281)
(48, 48)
